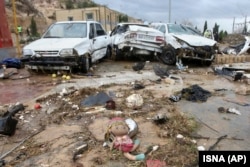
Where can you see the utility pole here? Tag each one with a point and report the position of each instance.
(233, 25)
(169, 12)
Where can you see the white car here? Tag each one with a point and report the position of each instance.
(137, 40)
(68, 45)
(185, 42)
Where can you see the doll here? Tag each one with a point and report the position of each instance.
(120, 135)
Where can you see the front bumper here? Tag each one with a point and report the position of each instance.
(51, 63)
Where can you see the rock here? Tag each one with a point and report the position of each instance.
(134, 101)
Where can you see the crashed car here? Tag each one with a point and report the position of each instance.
(67, 45)
(185, 42)
(137, 40)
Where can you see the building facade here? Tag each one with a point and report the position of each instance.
(107, 17)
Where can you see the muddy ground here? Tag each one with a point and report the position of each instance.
(50, 135)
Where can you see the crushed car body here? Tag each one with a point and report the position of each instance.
(238, 49)
(67, 45)
(131, 39)
(185, 42)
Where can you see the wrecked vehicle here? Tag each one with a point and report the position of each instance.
(138, 40)
(68, 45)
(239, 48)
(184, 42)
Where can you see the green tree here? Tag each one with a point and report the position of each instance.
(205, 27)
(216, 28)
(69, 4)
(123, 18)
(33, 28)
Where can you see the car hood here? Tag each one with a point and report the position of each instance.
(54, 43)
(195, 40)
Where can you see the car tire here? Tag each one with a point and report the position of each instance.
(85, 64)
(168, 55)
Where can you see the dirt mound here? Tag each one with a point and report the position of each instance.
(234, 39)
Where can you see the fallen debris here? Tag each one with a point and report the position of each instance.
(228, 110)
(216, 143)
(7, 122)
(195, 93)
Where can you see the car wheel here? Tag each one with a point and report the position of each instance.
(168, 55)
(85, 64)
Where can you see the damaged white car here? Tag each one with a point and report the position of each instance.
(185, 42)
(67, 45)
(137, 40)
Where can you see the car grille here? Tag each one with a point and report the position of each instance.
(47, 53)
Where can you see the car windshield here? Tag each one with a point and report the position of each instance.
(179, 29)
(67, 30)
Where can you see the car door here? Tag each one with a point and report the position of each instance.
(99, 41)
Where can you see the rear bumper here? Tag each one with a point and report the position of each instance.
(143, 46)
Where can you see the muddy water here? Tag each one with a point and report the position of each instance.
(23, 90)
(215, 124)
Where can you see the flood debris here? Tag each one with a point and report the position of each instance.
(134, 101)
(160, 118)
(239, 48)
(195, 93)
(235, 72)
(138, 66)
(79, 151)
(217, 142)
(7, 122)
(98, 99)
(229, 110)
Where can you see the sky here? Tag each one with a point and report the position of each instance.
(196, 12)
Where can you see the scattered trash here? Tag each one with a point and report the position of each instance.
(79, 151)
(134, 101)
(7, 123)
(110, 105)
(98, 99)
(138, 66)
(160, 71)
(228, 110)
(37, 106)
(137, 86)
(11, 63)
(201, 148)
(179, 136)
(6, 73)
(175, 98)
(160, 118)
(233, 111)
(195, 93)
(180, 66)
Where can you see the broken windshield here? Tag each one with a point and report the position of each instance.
(67, 30)
(178, 29)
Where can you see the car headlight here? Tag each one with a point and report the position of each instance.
(27, 52)
(66, 52)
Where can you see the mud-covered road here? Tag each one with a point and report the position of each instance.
(49, 136)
